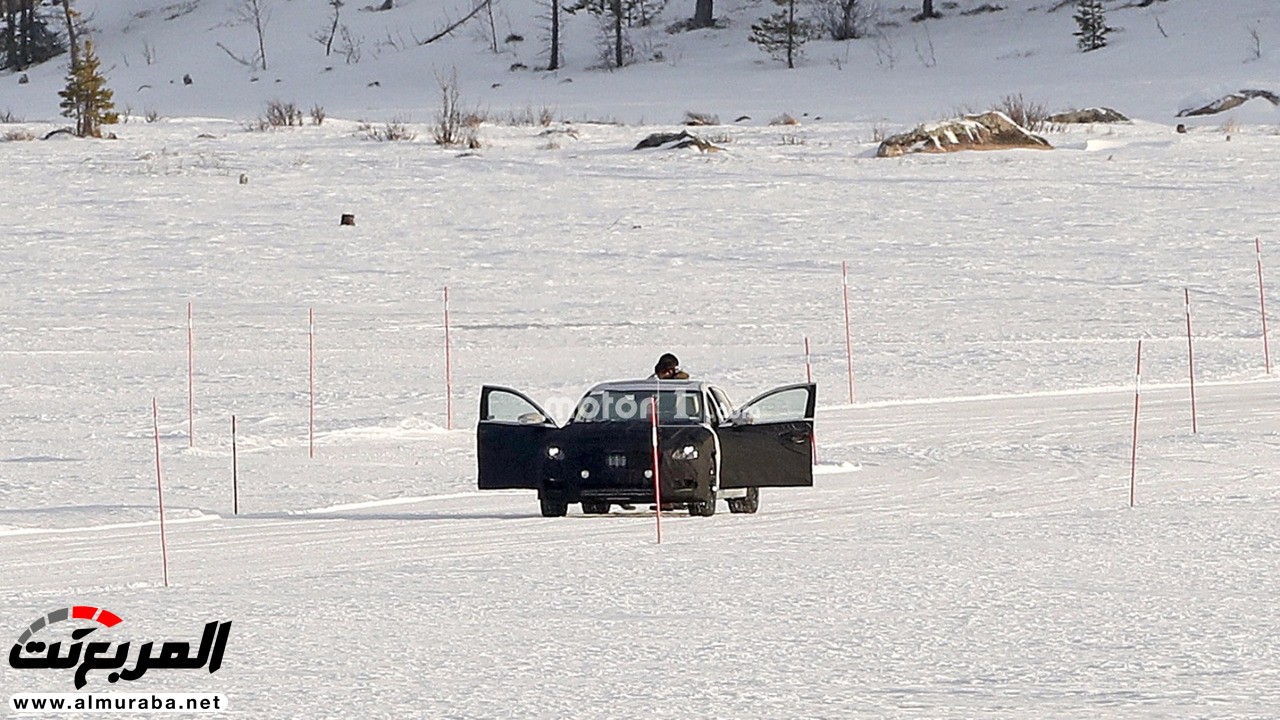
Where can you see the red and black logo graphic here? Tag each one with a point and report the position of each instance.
(32, 653)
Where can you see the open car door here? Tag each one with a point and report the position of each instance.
(510, 439)
(769, 442)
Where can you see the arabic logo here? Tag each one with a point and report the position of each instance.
(173, 654)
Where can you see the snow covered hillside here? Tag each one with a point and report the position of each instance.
(1162, 57)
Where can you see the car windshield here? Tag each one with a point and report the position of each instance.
(674, 406)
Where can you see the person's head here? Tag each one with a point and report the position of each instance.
(667, 367)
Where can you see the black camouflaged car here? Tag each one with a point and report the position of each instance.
(604, 454)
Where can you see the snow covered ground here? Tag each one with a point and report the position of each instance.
(967, 549)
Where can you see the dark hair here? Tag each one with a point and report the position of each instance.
(666, 362)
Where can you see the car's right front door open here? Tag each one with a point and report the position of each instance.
(770, 441)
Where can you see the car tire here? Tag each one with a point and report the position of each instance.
(595, 507)
(553, 505)
(748, 504)
(703, 508)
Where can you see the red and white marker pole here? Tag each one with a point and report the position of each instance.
(1191, 359)
(1137, 391)
(164, 546)
(848, 340)
(311, 382)
(657, 466)
(448, 367)
(1262, 304)
(191, 381)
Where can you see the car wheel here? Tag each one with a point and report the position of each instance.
(748, 504)
(595, 508)
(703, 508)
(553, 505)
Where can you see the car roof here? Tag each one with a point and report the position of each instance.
(650, 384)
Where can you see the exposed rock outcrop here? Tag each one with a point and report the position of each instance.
(675, 141)
(1229, 102)
(988, 131)
(1088, 115)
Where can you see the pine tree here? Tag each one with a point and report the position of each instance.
(781, 34)
(1091, 17)
(86, 97)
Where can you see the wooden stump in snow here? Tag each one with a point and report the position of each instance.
(348, 219)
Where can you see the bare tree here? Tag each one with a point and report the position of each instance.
(454, 26)
(615, 8)
(615, 47)
(333, 27)
(258, 14)
(453, 126)
(493, 28)
(845, 19)
(554, 63)
(71, 32)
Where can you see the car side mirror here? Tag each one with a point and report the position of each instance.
(740, 418)
(532, 418)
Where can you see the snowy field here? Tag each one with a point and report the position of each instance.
(967, 550)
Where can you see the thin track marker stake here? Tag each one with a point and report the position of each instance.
(191, 381)
(1133, 463)
(808, 377)
(657, 470)
(311, 382)
(164, 545)
(848, 340)
(1262, 304)
(1191, 359)
(448, 367)
(808, 368)
(235, 472)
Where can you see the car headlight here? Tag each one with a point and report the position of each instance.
(688, 452)
(554, 453)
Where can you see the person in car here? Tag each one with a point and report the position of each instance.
(668, 368)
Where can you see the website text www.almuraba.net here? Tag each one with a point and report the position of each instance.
(117, 702)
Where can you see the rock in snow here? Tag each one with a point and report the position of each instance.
(675, 141)
(1229, 102)
(989, 131)
(1088, 115)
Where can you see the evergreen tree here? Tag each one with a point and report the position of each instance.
(26, 38)
(1091, 17)
(781, 34)
(86, 97)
